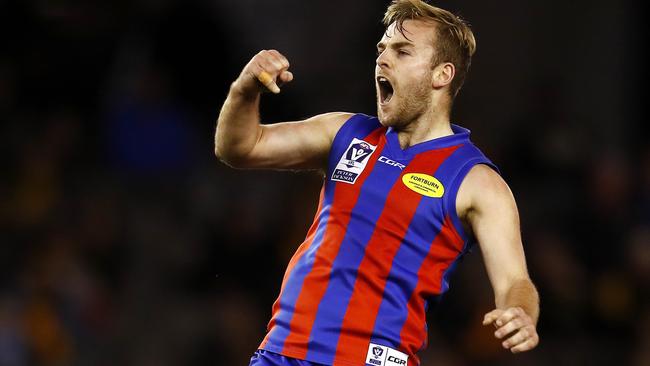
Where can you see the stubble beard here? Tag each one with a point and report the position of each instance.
(412, 102)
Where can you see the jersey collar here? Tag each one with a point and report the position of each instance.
(460, 136)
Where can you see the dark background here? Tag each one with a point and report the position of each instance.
(125, 242)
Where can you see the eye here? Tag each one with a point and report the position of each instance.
(401, 52)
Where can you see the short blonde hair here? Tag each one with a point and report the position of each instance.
(455, 42)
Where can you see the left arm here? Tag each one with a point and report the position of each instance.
(487, 207)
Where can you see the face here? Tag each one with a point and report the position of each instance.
(403, 73)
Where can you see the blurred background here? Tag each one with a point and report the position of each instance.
(125, 242)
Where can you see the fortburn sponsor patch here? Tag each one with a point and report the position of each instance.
(424, 184)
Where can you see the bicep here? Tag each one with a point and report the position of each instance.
(491, 212)
(296, 145)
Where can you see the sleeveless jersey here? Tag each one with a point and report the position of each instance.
(382, 245)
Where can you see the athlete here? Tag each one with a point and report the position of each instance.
(405, 195)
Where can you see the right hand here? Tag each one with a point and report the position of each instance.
(271, 62)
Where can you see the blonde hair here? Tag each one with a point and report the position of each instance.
(455, 42)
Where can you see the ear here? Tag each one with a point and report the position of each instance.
(442, 75)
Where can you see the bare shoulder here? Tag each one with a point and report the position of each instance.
(330, 122)
(483, 189)
(333, 117)
(319, 127)
(482, 178)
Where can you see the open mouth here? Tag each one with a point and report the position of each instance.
(385, 90)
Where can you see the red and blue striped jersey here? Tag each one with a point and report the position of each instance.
(382, 245)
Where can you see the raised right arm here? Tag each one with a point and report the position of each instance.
(242, 142)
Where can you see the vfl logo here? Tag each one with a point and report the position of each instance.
(353, 161)
(357, 153)
(377, 351)
(379, 355)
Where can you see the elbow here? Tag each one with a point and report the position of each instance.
(218, 151)
(223, 147)
(230, 158)
(235, 151)
(221, 152)
(223, 156)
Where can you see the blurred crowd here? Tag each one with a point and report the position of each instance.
(125, 242)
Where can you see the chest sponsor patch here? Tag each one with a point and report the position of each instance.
(424, 184)
(353, 161)
(379, 355)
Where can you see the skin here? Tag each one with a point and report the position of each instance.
(242, 142)
(419, 111)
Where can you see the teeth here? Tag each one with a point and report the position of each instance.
(385, 89)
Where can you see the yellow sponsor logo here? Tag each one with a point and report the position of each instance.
(424, 184)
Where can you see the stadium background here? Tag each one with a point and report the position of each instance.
(125, 242)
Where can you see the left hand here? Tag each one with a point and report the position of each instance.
(515, 322)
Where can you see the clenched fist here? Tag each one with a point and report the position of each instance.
(266, 70)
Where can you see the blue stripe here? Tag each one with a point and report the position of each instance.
(332, 308)
(423, 229)
(455, 170)
(295, 280)
(403, 276)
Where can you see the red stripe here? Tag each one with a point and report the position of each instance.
(315, 283)
(296, 257)
(390, 229)
(445, 248)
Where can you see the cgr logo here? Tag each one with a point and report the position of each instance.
(390, 162)
(379, 355)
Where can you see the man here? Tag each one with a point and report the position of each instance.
(404, 195)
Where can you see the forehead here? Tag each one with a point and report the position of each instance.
(418, 32)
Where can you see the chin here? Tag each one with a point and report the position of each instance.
(382, 118)
(386, 119)
(387, 122)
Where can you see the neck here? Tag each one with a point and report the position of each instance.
(428, 126)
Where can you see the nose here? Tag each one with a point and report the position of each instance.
(382, 59)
